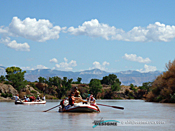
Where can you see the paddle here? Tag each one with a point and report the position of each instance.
(51, 108)
(112, 106)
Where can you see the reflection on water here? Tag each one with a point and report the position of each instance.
(31, 117)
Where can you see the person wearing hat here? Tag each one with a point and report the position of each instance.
(92, 101)
(77, 92)
(16, 97)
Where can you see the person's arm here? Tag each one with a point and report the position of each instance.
(92, 102)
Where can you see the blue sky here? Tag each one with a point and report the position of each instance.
(78, 35)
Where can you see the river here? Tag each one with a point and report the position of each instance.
(30, 117)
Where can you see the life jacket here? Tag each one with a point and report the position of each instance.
(71, 101)
(62, 103)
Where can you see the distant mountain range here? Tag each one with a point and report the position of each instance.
(126, 77)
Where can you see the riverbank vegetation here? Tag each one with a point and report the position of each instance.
(162, 89)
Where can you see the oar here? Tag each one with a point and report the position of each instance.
(112, 106)
(51, 108)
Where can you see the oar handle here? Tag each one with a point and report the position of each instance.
(51, 108)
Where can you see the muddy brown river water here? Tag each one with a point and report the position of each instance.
(138, 115)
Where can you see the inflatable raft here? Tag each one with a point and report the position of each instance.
(79, 107)
(30, 103)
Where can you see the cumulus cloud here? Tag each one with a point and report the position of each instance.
(37, 30)
(14, 45)
(93, 29)
(67, 66)
(54, 60)
(153, 32)
(32, 29)
(134, 57)
(147, 68)
(97, 65)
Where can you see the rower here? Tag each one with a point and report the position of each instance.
(92, 102)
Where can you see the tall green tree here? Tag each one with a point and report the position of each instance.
(95, 86)
(113, 81)
(42, 79)
(16, 76)
(146, 86)
(79, 80)
(63, 86)
(110, 79)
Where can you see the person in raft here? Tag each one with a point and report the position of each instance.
(44, 98)
(77, 92)
(73, 99)
(92, 101)
(38, 98)
(16, 97)
(65, 104)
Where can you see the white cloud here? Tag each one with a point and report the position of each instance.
(34, 68)
(27, 68)
(65, 65)
(147, 68)
(54, 60)
(41, 67)
(153, 32)
(105, 63)
(97, 65)
(3, 30)
(14, 45)
(93, 29)
(42, 30)
(134, 57)
(32, 29)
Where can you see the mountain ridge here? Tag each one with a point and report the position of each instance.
(126, 77)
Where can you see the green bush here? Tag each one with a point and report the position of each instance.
(33, 91)
(10, 95)
(6, 82)
(131, 97)
(6, 95)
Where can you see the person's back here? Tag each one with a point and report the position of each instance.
(44, 98)
(16, 98)
(38, 98)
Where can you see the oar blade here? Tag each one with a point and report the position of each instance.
(117, 107)
(122, 108)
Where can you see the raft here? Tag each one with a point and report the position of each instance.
(80, 107)
(30, 103)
